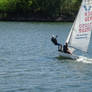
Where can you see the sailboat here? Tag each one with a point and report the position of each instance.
(80, 33)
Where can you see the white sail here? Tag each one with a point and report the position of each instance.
(70, 34)
(80, 33)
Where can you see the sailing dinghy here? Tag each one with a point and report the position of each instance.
(80, 33)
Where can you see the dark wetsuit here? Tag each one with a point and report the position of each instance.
(65, 49)
(60, 48)
(54, 40)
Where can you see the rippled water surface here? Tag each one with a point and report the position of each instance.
(29, 63)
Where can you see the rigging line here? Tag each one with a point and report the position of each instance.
(78, 49)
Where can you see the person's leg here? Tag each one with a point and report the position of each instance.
(69, 52)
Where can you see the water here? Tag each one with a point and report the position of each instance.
(29, 63)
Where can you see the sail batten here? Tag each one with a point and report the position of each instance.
(79, 36)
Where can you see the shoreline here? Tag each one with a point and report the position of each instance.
(37, 19)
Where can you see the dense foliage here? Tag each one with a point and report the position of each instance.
(38, 8)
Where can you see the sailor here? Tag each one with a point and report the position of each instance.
(65, 49)
(54, 40)
(60, 48)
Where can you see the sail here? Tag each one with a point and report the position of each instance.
(69, 36)
(80, 33)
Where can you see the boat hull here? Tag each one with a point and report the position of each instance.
(68, 56)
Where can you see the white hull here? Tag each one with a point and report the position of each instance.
(68, 56)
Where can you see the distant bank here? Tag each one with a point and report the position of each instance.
(38, 10)
(39, 19)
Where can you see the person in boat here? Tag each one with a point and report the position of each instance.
(66, 49)
(60, 48)
(54, 40)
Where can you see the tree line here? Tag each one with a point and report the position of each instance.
(38, 8)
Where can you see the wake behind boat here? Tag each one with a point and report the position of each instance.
(80, 33)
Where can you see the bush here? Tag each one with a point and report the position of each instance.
(39, 8)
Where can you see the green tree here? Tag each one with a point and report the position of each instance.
(39, 8)
(70, 7)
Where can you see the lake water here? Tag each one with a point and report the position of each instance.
(29, 63)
